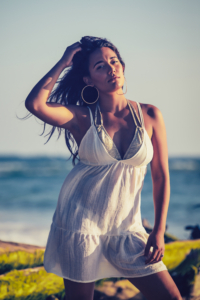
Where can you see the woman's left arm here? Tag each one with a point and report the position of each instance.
(161, 187)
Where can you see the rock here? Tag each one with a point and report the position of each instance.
(195, 233)
(121, 289)
(168, 237)
(184, 275)
(146, 223)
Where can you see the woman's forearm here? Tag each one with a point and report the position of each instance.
(41, 91)
(161, 197)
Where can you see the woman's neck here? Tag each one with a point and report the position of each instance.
(112, 102)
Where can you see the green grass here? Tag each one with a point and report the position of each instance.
(26, 284)
(20, 260)
(176, 252)
(38, 284)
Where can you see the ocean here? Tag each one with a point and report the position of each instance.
(29, 189)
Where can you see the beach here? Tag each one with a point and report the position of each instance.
(23, 275)
(29, 190)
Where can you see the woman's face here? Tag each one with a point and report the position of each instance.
(106, 71)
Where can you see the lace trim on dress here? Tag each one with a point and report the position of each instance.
(108, 142)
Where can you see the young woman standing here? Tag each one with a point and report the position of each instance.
(97, 229)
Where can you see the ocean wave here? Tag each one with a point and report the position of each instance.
(40, 167)
(19, 167)
(184, 164)
(18, 232)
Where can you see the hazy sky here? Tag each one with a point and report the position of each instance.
(158, 40)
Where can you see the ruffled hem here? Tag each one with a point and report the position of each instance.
(160, 269)
(84, 257)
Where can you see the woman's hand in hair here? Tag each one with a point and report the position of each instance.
(55, 114)
(69, 53)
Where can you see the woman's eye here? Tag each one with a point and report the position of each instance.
(99, 67)
(102, 66)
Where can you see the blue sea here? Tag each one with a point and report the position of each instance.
(29, 189)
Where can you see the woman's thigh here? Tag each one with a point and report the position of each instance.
(79, 290)
(157, 286)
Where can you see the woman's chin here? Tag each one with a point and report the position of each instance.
(116, 87)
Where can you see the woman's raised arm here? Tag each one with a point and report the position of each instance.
(52, 113)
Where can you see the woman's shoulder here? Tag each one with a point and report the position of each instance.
(152, 116)
(147, 109)
(150, 110)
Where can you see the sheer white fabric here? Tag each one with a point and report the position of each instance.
(97, 229)
(108, 142)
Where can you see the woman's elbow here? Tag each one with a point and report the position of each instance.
(30, 105)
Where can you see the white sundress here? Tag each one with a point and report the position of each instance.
(97, 230)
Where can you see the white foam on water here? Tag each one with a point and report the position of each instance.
(17, 232)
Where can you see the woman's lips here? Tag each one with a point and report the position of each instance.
(113, 78)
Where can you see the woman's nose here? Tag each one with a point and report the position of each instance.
(111, 69)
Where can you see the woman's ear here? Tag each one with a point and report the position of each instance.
(87, 80)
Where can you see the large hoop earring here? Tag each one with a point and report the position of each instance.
(126, 87)
(90, 94)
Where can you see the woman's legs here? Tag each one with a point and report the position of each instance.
(157, 286)
(79, 290)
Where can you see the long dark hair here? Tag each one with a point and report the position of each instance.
(70, 85)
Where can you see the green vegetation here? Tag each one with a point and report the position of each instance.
(28, 284)
(20, 260)
(176, 252)
(182, 259)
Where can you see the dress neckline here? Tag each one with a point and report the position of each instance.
(134, 120)
(126, 159)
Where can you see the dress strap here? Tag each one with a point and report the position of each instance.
(132, 109)
(141, 114)
(95, 120)
(91, 117)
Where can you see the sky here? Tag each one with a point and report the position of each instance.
(159, 40)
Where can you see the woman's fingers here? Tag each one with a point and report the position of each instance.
(69, 54)
(152, 256)
(75, 44)
(148, 246)
(156, 240)
(155, 257)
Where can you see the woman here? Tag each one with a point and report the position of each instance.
(97, 230)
